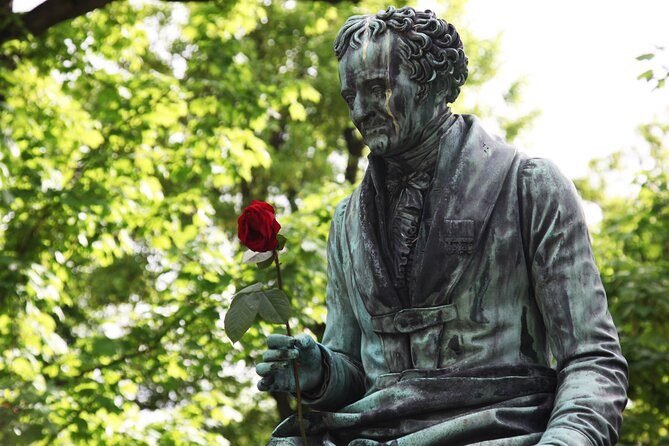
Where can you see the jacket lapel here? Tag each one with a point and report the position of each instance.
(471, 170)
(365, 221)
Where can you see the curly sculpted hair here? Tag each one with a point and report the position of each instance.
(431, 47)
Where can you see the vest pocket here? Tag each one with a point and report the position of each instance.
(414, 337)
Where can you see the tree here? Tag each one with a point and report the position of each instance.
(52, 12)
(659, 73)
(131, 138)
(632, 248)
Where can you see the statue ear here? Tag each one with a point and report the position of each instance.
(423, 91)
(438, 87)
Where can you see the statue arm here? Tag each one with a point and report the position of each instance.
(592, 373)
(344, 376)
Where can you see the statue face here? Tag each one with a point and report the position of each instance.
(382, 99)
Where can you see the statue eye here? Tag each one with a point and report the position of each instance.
(349, 100)
(378, 89)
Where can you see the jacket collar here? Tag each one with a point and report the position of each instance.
(471, 169)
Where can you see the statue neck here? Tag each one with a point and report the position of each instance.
(423, 154)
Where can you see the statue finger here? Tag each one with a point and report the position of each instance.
(280, 341)
(280, 355)
(265, 384)
(278, 382)
(269, 368)
(283, 382)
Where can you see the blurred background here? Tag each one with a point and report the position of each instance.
(132, 133)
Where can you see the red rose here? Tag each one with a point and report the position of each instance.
(257, 227)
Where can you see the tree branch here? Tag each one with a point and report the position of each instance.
(45, 16)
(150, 346)
(52, 12)
(48, 14)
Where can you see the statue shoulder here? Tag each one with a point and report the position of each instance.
(339, 216)
(340, 209)
(546, 193)
(540, 175)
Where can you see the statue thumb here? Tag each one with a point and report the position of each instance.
(304, 342)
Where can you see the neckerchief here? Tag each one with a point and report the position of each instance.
(408, 177)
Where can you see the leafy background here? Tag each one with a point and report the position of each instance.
(130, 139)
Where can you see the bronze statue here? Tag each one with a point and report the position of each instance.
(457, 270)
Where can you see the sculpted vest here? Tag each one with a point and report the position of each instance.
(459, 233)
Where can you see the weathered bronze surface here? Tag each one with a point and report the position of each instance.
(457, 271)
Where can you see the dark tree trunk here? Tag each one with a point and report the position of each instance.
(283, 406)
(354, 145)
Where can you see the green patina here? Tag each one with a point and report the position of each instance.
(458, 270)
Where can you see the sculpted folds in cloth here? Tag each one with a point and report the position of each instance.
(458, 270)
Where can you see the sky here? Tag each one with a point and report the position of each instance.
(579, 60)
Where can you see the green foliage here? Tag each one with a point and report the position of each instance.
(657, 73)
(632, 247)
(130, 140)
(271, 305)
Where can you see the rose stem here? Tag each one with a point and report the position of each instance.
(296, 376)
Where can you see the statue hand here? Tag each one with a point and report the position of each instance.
(276, 369)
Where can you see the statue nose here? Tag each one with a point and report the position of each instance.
(360, 111)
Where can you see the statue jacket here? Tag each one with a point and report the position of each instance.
(507, 338)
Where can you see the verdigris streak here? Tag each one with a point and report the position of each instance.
(457, 271)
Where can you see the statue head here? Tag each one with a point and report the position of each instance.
(398, 70)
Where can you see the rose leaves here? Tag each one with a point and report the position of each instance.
(271, 305)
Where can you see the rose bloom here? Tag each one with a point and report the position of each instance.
(257, 227)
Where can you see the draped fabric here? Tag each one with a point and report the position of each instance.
(493, 404)
(408, 192)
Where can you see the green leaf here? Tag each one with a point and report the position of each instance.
(309, 93)
(297, 111)
(646, 56)
(282, 242)
(241, 314)
(266, 263)
(256, 257)
(648, 75)
(104, 347)
(274, 306)
(250, 289)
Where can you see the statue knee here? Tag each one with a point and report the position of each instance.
(297, 441)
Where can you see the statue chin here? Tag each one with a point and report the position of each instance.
(378, 145)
